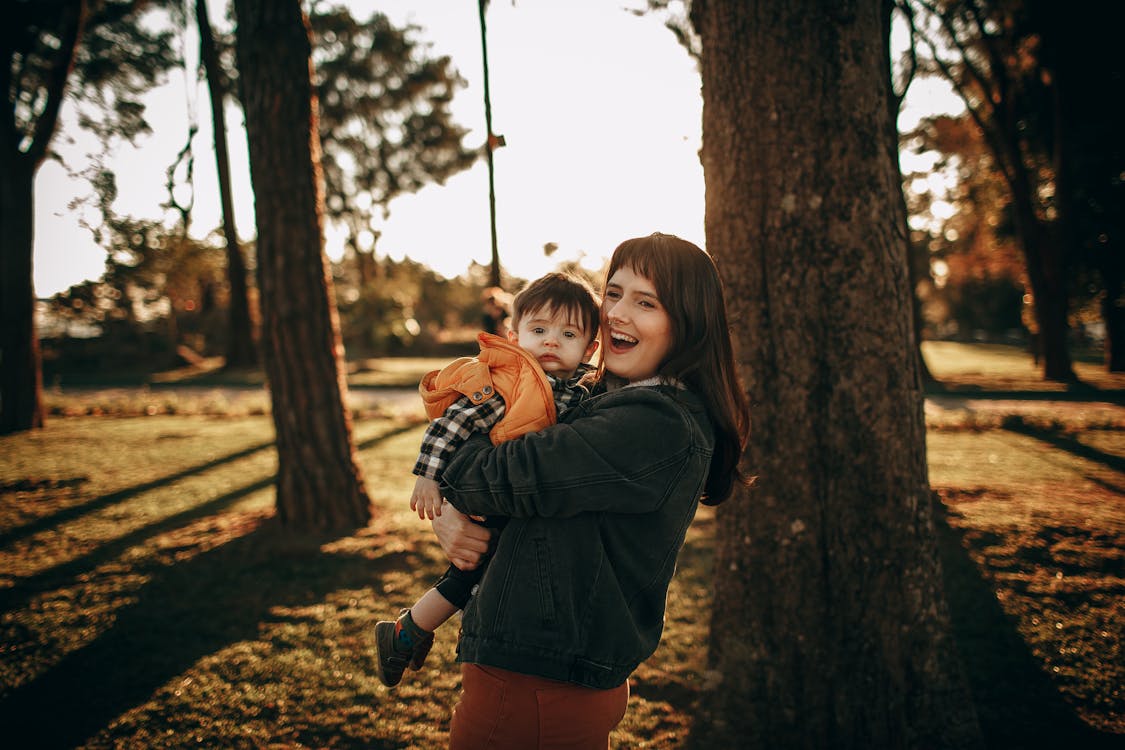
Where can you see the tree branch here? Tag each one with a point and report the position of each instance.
(71, 22)
(983, 120)
(912, 68)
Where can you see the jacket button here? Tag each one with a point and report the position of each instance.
(487, 389)
(476, 396)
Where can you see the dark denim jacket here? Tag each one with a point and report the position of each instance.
(599, 507)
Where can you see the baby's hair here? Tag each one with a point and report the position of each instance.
(560, 293)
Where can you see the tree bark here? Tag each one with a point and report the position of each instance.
(21, 154)
(320, 485)
(242, 351)
(830, 626)
(21, 374)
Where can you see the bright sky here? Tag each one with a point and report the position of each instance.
(600, 109)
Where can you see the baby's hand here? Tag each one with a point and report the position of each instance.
(426, 498)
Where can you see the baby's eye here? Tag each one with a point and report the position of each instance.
(570, 334)
(537, 330)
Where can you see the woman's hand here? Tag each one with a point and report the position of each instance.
(463, 541)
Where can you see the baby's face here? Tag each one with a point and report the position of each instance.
(556, 341)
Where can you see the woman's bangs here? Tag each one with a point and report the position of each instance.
(641, 256)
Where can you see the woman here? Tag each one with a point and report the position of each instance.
(574, 595)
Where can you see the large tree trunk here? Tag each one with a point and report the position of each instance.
(241, 348)
(21, 375)
(830, 626)
(319, 486)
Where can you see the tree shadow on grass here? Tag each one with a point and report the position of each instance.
(26, 588)
(1016, 702)
(1066, 443)
(1077, 391)
(77, 511)
(187, 611)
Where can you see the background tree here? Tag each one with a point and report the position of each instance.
(830, 627)
(241, 347)
(385, 125)
(1086, 75)
(47, 36)
(390, 132)
(162, 291)
(319, 485)
(990, 52)
(406, 307)
(159, 302)
(118, 58)
(962, 227)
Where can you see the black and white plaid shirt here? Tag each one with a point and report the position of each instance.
(463, 418)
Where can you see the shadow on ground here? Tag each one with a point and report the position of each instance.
(1018, 706)
(187, 611)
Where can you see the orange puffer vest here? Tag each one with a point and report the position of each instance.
(503, 368)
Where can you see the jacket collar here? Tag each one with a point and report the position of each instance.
(613, 384)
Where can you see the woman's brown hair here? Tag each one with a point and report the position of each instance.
(701, 356)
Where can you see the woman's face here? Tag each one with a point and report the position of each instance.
(636, 329)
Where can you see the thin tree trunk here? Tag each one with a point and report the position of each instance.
(320, 486)
(830, 627)
(1046, 272)
(242, 351)
(1045, 261)
(490, 146)
(1113, 313)
(367, 265)
(914, 275)
(924, 372)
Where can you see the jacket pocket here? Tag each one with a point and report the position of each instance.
(544, 583)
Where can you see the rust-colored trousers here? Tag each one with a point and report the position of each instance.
(511, 711)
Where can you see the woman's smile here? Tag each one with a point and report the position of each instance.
(621, 342)
(635, 326)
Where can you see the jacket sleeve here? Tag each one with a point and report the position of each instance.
(446, 433)
(623, 458)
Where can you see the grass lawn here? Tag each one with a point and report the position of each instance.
(1004, 368)
(147, 600)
